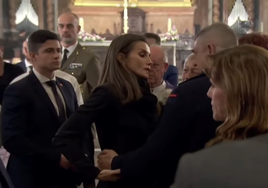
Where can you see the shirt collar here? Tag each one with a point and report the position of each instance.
(160, 87)
(27, 63)
(42, 78)
(70, 48)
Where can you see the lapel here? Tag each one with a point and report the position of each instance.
(5, 180)
(72, 58)
(43, 94)
(66, 95)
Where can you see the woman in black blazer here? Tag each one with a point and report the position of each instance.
(122, 107)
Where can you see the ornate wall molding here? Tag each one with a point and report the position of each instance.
(12, 15)
(50, 16)
(216, 11)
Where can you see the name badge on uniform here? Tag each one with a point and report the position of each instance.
(75, 66)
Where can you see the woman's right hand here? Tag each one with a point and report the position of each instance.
(109, 175)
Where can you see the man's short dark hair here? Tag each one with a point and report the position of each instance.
(39, 37)
(153, 36)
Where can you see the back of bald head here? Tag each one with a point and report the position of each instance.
(160, 50)
(219, 34)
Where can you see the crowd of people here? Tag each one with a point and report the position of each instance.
(208, 131)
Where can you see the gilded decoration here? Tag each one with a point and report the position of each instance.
(134, 3)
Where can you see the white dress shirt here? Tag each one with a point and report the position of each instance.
(58, 73)
(70, 50)
(49, 91)
(27, 65)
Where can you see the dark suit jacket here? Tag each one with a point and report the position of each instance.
(29, 122)
(5, 181)
(172, 75)
(85, 67)
(22, 65)
(186, 126)
(233, 164)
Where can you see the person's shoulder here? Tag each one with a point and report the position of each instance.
(13, 68)
(65, 76)
(19, 85)
(172, 68)
(86, 51)
(196, 83)
(233, 149)
(106, 91)
(20, 79)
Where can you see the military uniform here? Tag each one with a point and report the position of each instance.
(85, 67)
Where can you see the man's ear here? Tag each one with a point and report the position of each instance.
(166, 66)
(32, 56)
(211, 49)
(121, 58)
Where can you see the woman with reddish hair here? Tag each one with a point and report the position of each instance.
(257, 39)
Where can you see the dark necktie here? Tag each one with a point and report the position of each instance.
(64, 59)
(59, 102)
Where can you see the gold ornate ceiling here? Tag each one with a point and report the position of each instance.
(134, 3)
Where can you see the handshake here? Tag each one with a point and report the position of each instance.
(104, 164)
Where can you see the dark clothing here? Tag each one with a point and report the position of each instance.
(123, 128)
(10, 72)
(169, 86)
(186, 126)
(22, 65)
(172, 75)
(29, 122)
(5, 181)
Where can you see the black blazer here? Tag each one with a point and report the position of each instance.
(10, 72)
(29, 122)
(22, 65)
(123, 128)
(186, 126)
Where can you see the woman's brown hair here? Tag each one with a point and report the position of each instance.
(125, 83)
(242, 74)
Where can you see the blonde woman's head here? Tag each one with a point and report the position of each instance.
(239, 91)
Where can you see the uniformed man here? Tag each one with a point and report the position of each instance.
(76, 60)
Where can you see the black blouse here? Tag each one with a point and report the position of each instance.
(10, 72)
(123, 128)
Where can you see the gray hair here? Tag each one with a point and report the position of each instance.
(163, 50)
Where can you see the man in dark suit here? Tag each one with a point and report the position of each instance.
(76, 60)
(186, 125)
(34, 107)
(25, 63)
(5, 181)
(172, 74)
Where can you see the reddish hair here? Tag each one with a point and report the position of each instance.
(257, 39)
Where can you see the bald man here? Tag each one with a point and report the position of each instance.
(76, 60)
(158, 85)
(186, 125)
(191, 68)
